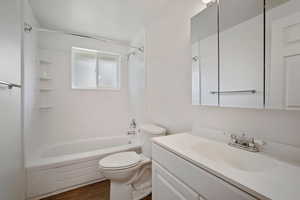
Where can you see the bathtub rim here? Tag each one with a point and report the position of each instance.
(39, 154)
(60, 161)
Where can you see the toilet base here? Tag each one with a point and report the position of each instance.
(125, 192)
(120, 191)
(135, 191)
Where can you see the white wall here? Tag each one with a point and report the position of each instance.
(169, 85)
(12, 173)
(168, 62)
(31, 78)
(77, 114)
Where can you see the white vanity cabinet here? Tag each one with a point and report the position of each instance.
(175, 178)
(168, 187)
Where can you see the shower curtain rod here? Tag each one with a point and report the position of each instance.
(28, 28)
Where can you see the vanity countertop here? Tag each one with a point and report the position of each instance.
(264, 177)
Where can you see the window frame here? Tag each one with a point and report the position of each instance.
(99, 53)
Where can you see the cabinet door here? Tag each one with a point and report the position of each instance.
(168, 187)
(241, 53)
(283, 54)
(205, 57)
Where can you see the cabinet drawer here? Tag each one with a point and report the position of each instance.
(204, 183)
(167, 187)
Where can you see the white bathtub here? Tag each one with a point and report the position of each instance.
(66, 166)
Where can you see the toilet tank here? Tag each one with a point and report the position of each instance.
(147, 132)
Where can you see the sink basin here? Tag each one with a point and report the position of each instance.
(233, 157)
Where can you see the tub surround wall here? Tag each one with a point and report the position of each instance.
(75, 114)
(31, 81)
(81, 114)
(168, 61)
(137, 80)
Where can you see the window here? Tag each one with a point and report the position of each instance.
(95, 70)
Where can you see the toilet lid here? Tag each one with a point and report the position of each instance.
(120, 160)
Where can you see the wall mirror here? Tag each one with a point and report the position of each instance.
(241, 43)
(205, 57)
(246, 54)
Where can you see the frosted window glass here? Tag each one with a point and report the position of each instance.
(92, 70)
(108, 76)
(84, 69)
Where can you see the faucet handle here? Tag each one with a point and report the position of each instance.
(260, 142)
(233, 138)
(132, 127)
(251, 142)
(133, 123)
(131, 132)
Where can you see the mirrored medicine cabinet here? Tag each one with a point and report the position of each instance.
(246, 54)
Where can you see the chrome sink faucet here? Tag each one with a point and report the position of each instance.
(243, 142)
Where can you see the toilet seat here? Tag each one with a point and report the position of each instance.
(119, 161)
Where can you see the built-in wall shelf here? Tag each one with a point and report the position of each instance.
(45, 78)
(45, 62)
(46, 89)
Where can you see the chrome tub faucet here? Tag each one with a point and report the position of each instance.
(132, 128)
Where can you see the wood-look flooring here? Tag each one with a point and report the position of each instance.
(96, 191)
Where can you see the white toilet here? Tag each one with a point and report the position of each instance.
(129, 172)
